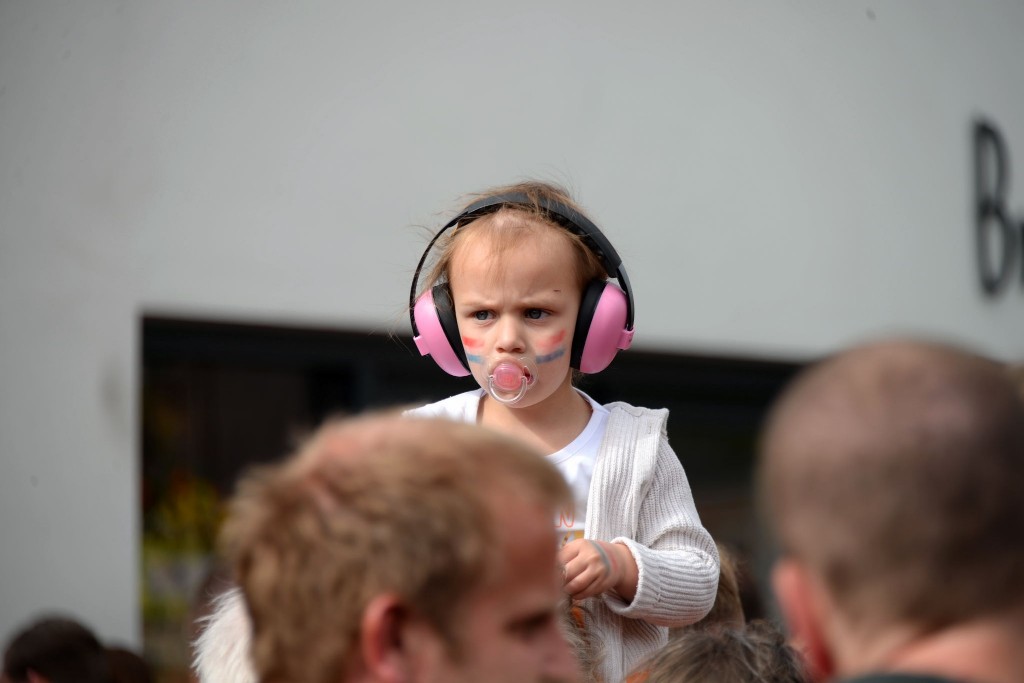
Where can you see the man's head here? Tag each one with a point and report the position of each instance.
(55, 650)
(395, 548)
(891, 475)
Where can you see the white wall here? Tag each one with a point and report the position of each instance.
(781, 178)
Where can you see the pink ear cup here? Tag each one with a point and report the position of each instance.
(607, 333)
(432, 340)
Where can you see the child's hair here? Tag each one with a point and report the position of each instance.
(510, 224)
(756, 653)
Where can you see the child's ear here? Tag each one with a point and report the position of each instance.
(803, 604)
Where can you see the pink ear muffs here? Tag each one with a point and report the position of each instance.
(439, 332)
(600, 327)
(604, 323)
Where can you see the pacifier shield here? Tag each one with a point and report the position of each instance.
(508, 377)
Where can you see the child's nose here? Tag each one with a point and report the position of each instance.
(510, 336)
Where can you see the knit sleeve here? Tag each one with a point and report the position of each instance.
(676, 557)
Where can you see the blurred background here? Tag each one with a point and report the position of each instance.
(210, 213)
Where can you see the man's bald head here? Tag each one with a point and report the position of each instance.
(893, 472)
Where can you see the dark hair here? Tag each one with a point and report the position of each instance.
(127, 666)
(59, 649)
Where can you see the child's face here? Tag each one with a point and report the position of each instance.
(521, 304)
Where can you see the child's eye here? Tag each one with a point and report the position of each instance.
(482, 315)
(535, 313)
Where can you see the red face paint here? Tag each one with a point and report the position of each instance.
(556, 339)
(471, 343)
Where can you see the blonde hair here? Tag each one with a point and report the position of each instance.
(510, 224)
(587, 650)
(371, 505)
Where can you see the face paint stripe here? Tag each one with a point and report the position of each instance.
(554, 355)
(474, 359)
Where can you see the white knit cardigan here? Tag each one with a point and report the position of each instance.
(639, 496)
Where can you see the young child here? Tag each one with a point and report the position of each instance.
(519, 296)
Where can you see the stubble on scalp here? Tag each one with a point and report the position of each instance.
(891, 470)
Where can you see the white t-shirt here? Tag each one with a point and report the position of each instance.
(575, 461)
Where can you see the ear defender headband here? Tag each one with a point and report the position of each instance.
(604, 323)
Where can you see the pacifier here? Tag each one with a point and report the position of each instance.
(509, 380)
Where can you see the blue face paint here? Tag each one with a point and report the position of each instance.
(554, 355)
(474, 359)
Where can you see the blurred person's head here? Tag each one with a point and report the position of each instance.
(892, 478)
(728, 608)
(400, 549)
(55, 649)
(127, 666)
(750, 653)
(1016, 373)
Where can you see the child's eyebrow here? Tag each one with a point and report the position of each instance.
(475, 303)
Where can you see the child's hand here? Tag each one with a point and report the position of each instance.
(593, 567)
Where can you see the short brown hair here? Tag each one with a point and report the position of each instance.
(371, 505)
(893, 471)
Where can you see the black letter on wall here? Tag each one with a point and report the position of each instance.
(989, 152)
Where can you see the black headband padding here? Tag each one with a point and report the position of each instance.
(588, 306)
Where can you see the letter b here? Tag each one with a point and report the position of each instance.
(990, 209)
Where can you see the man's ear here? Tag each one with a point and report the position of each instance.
(803, 607)
(383, 639)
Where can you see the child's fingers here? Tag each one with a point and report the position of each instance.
(569, 551)
(585, 577)
(584, 585)
(572, 571)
